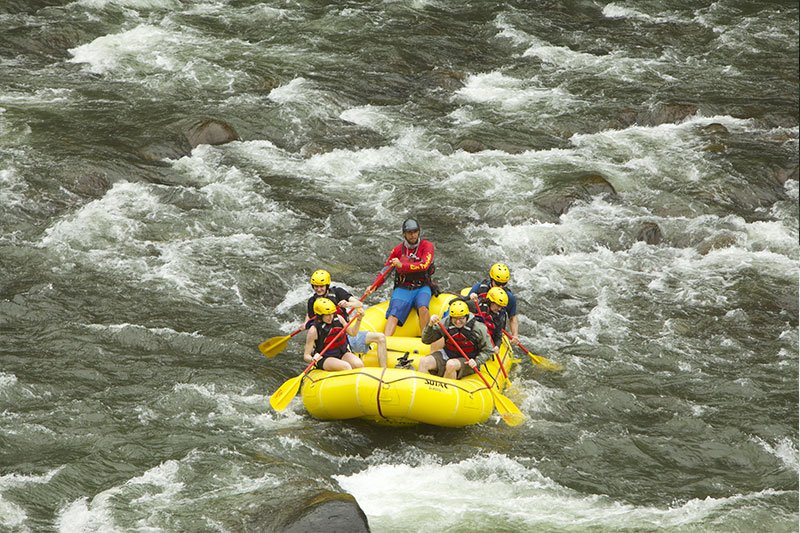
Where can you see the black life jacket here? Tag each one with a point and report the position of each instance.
(326, 332)
(495, 322)
(330, 295)
(465, 338)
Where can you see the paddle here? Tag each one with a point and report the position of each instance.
(281, 398)
(497, 355)
(510, 412)
(276, 345)
(543, 361)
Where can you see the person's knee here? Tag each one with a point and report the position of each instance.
(380, 338)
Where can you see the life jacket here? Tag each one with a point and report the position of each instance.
(495, 322)
(484, 287)
(331, 295)
(329, 331)
(413, 280)
(465, 338)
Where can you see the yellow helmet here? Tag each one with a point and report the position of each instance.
(459, 308)
(500, 273)
(498, 296)
(323, 306)
(321, 277)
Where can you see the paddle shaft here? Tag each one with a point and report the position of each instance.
(543, 361)
(462, 352)
(518, 344)
(499, 358)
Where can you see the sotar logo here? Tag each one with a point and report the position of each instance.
(436, 383)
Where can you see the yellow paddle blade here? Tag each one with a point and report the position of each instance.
(545, 363)
(510, 412)
(274, 346)
(281, 398)
(513, 419)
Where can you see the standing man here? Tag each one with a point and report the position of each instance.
(499, 275)
(412, 260)
(359, 342)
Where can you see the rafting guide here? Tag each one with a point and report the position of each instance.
(412, 260)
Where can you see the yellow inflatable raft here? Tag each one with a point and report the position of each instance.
(399, 397)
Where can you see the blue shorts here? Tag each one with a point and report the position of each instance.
(358, 343)
(403, 299)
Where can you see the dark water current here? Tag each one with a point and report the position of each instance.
(633, 162)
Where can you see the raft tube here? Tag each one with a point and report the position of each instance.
(400, 397)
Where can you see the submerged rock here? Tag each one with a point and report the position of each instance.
(92, 185)
(190, 134)
(671, 113)
(210, 131)
(559, 199)
(649, 233)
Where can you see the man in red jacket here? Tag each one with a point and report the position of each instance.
(412, 260)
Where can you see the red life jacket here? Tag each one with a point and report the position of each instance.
(329, 331)
(464, 338)
(495, 322)
(414, 280)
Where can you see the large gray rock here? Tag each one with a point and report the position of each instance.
(329, 512)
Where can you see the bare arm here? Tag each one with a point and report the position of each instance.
(311, 338)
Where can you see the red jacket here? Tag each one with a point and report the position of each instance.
(416, 266)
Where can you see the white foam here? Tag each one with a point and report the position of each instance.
(116, 218)
(431, 496)
(512, 94)
(784, 449)
(297, 90)
(615, 11)
(147, 498)
(12, 188)
(135, 4)
(147, 52)
(7, 380)
(13, 516)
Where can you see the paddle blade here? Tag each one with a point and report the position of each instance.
(546, 363)
(510, 412)
(274, 346)
(281, 398)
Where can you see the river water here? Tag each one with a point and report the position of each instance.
(634, 163)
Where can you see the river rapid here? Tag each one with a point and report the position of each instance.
(634, 163)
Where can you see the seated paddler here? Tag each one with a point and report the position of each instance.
(467, 332)
(321, 285)
(327, 324)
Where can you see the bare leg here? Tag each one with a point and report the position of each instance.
(391, 325)
(452, 368)
(437, 345)
(380, 342)
(424, 318)
(352, 360)
(333, 364)
(426, 364)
